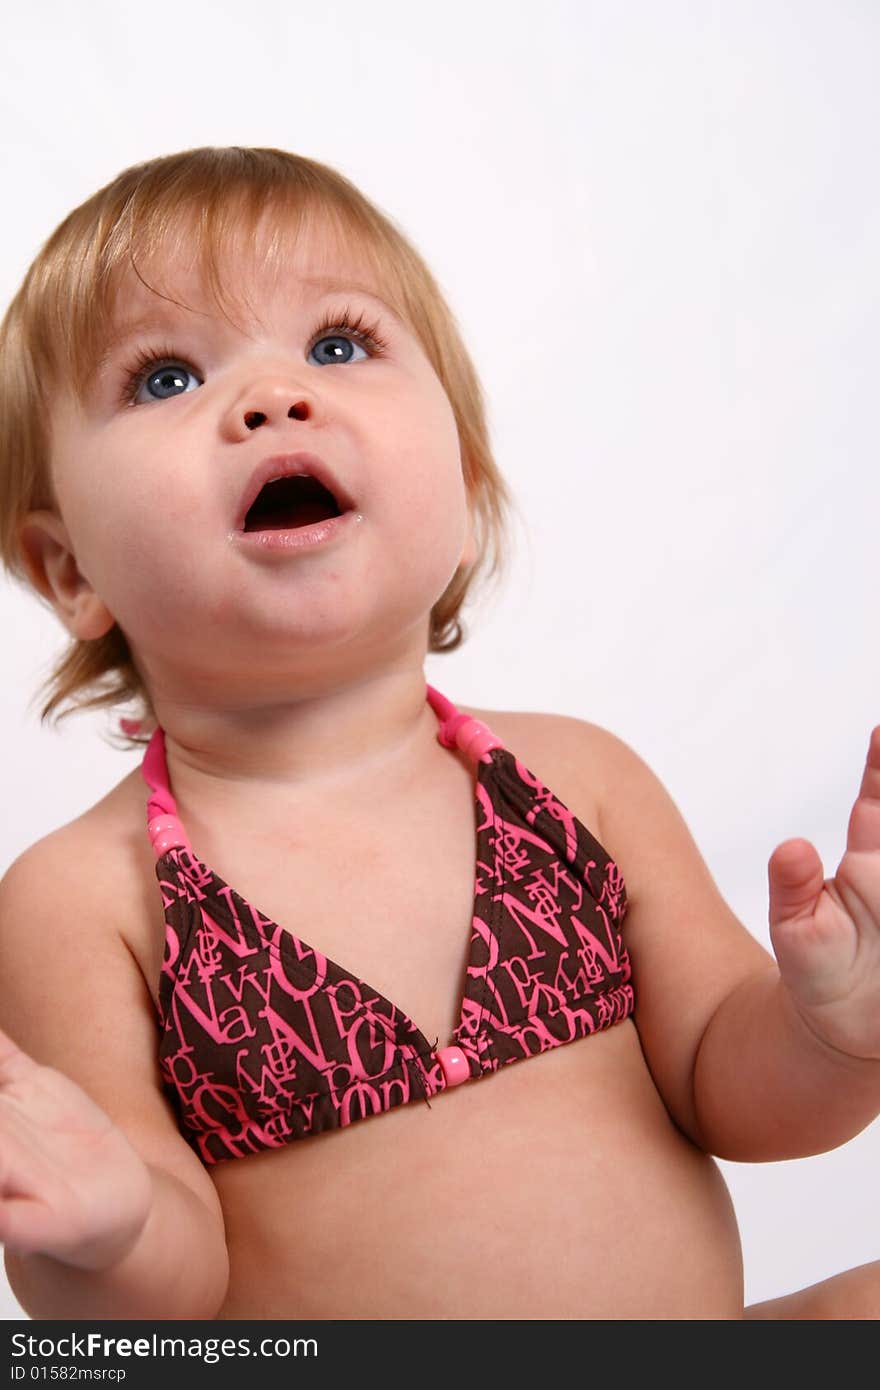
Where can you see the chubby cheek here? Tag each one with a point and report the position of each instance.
(420, 489)
(133, 544)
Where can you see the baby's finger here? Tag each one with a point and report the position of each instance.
(796, 878)
(29, 1223)
(863, 833)
(17, 1225)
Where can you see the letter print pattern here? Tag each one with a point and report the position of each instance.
(264, 1040)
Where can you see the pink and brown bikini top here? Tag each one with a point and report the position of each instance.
(265, 1040)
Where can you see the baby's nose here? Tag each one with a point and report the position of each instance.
(253, 418)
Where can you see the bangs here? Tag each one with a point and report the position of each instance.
(222, 208)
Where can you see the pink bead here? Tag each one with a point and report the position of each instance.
(454, 1065)
(475, 739)
(166, 832)
(447, 733)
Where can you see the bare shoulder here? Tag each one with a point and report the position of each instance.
(74, 927)
(574, 757)
(72, 909)
(604, 781)
(91, 879)
(602, 772)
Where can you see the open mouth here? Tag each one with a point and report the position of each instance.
(285, 504)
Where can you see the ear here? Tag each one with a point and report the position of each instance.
(49, 560)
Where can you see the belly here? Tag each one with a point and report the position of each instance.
(557, 1187)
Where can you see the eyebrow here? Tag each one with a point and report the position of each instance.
(167, 319)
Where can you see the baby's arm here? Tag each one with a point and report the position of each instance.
(104, 1217)
(738, 1067)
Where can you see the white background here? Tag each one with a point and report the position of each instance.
(658, 226)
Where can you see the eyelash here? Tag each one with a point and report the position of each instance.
(367, 334)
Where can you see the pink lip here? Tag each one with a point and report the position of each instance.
(286, 466)
(297, 537)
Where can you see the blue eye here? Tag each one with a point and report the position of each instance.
(164, 375)
(340, 350)
(169, 380)
(164, 380)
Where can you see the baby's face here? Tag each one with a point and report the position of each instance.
(152, 474)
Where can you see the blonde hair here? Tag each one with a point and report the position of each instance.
(55, 330)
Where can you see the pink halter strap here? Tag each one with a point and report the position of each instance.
(474, 738)
(165, 828)
(163, 823)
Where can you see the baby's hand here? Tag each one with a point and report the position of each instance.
(826, 932)
(71, 1185)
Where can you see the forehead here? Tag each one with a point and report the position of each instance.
(244, 276)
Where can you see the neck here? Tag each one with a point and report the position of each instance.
(323, 742)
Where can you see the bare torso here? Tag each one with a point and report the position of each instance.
(557, 1187)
